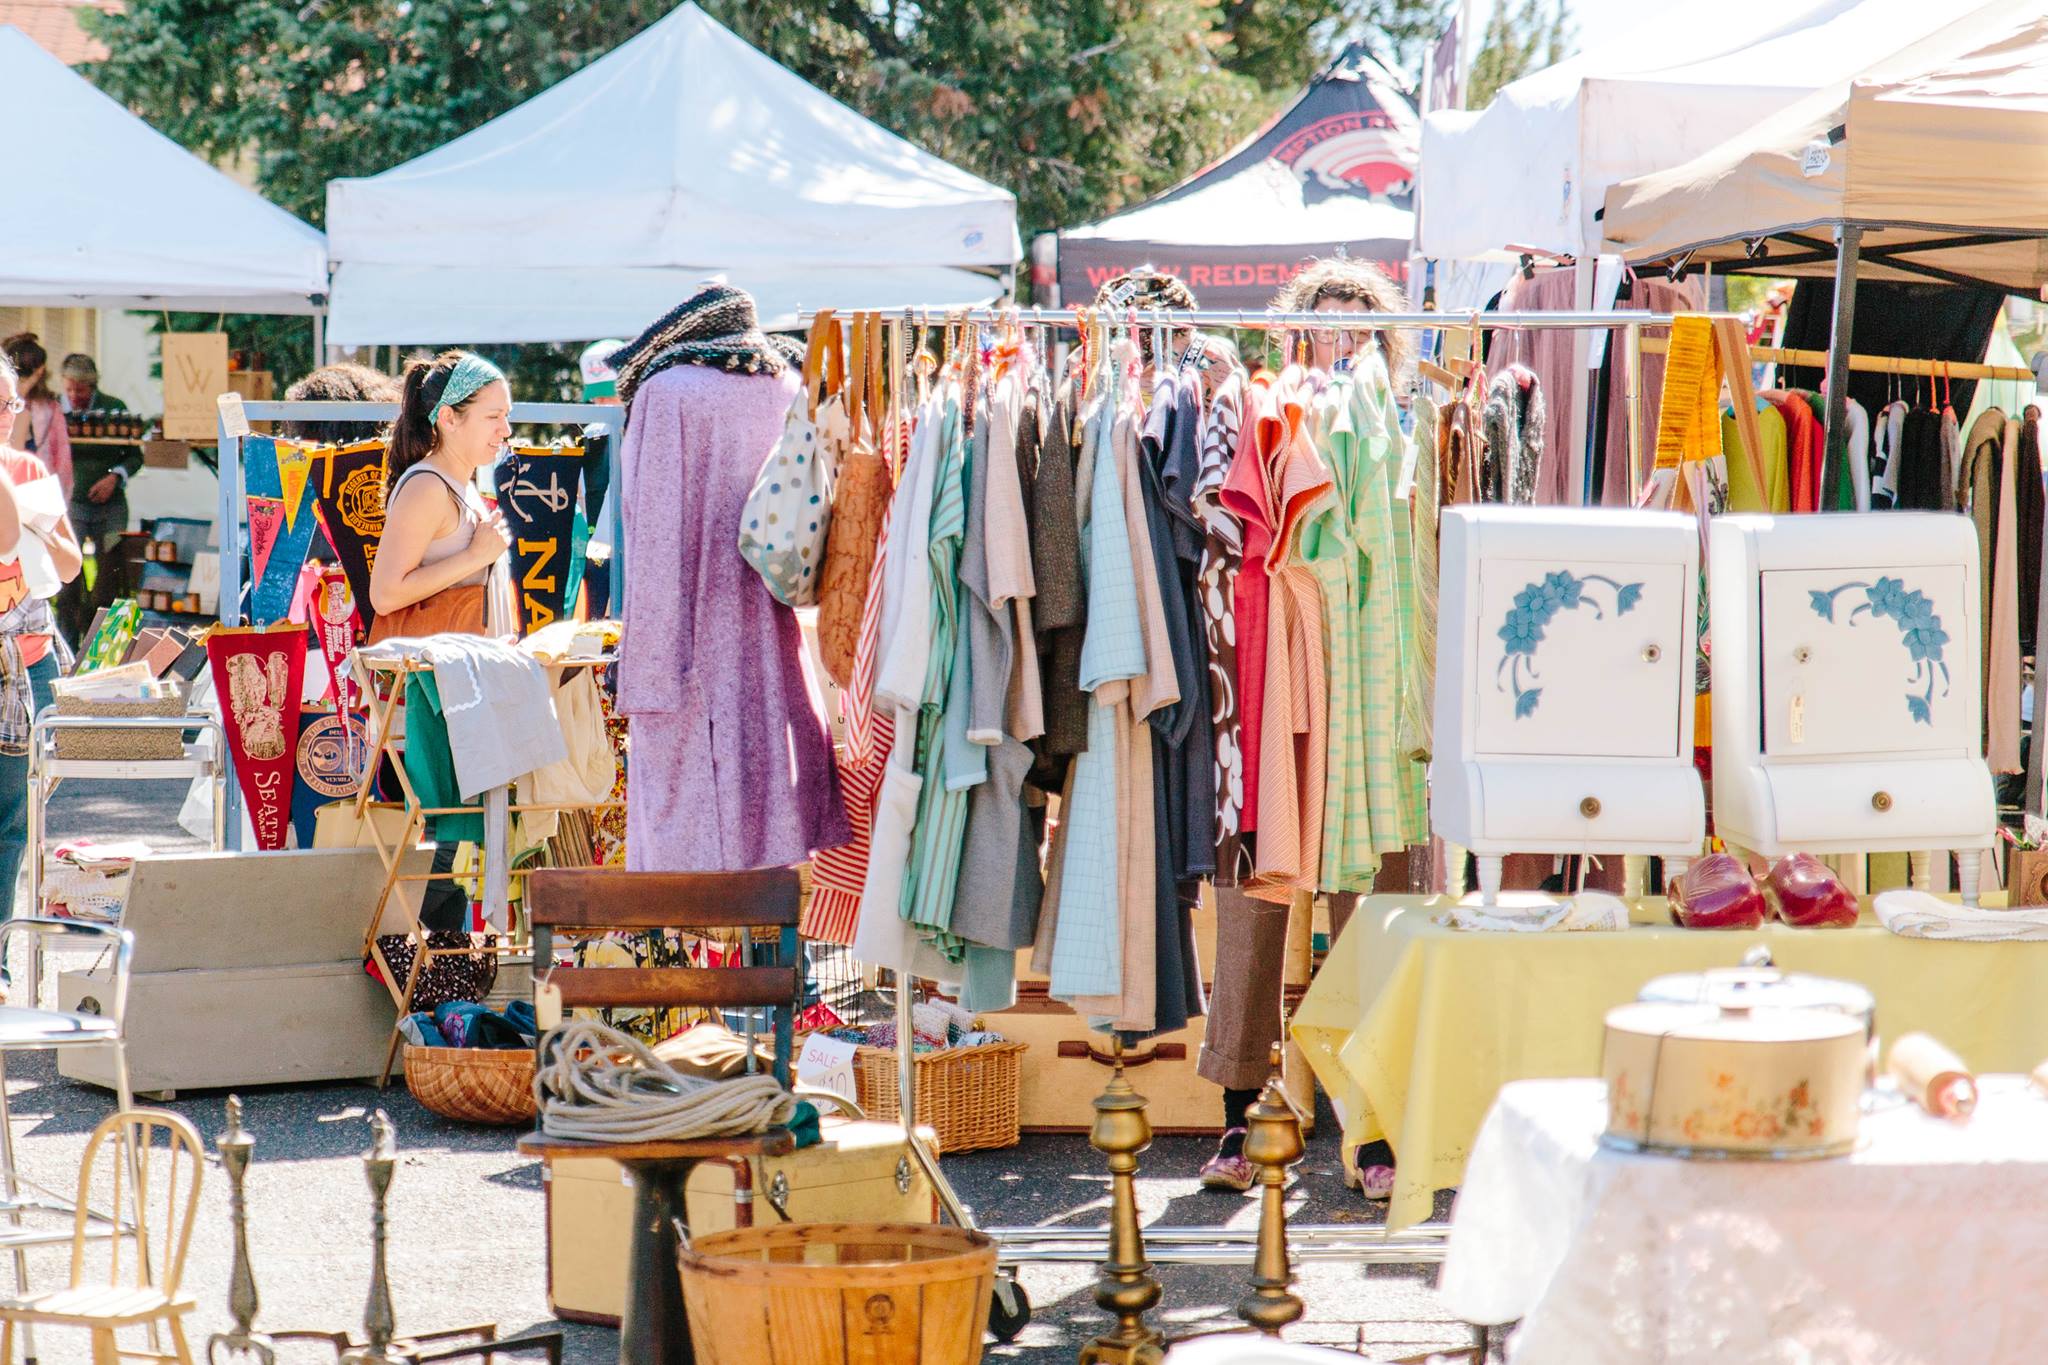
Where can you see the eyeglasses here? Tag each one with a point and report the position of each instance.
(14, 405)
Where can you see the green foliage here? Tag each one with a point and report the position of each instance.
(1518, 40)
(1079, 107)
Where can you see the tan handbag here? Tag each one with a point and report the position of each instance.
(460, 610)
(859, 502)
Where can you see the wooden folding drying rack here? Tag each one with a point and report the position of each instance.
(386, 693)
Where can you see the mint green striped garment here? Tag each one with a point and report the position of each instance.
(1329, 551)
(941, 814)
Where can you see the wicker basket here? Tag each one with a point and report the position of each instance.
(968, 1095)
(473, 1084)
(118, 744)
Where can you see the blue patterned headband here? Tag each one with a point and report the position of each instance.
(471, 373)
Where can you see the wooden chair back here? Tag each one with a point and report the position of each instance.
(147, 1164)
(586, 902)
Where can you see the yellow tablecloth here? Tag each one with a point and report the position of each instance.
(1412, 1028)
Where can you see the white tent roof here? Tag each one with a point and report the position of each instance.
(683, 150)
(1533, 167)
(157, 228)
(1940, 150)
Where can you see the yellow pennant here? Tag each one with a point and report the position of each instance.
(294, 464)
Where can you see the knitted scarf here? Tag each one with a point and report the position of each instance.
(716, 327)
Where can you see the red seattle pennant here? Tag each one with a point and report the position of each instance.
(258, 672)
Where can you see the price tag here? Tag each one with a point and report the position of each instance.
(547, 1006)
(233, 420)
(1796, 730)
(827, 1063)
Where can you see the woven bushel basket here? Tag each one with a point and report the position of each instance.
(967, 1095)
(473, 1084)
(115, 744)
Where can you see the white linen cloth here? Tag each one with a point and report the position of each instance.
(1916, 914)
(1589, 911)
(496, 701)
(1926, 1246)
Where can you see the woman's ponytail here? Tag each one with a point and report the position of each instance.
(412, 435)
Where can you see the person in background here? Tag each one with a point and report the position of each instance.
(439, 559)
(1336, 284)
(99, 497)
(440, 544)
(29, 650)
(600, 380)
(41, 431)
(344, 382)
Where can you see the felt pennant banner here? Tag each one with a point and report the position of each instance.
(338, 628)
(271, 598)
(328, 764)
(537, 493)
(294, 462)
(350, 488)
(266, 520)
(258, 673)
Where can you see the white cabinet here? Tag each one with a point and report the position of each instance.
(1846, 673)
(1565, 682)
(1860, 660)
(1580, 658)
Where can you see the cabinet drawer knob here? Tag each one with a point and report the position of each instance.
(1802, 655)
(1880, 801)
(1590, 807)
(1652, 653)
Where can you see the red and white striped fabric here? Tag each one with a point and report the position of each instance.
(837, 874)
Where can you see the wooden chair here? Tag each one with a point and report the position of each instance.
(149, 1295)
(591, 901)
(587, 902)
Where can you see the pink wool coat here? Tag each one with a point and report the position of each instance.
(731, 764)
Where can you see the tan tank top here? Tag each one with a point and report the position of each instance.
(468, 507)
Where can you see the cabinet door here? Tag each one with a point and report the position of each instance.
(1863, 661)
(1581, 658)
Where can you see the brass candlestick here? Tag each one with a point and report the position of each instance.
(1126, 1287)
(379, 1325)
(236, 1147)
(1272, 1142)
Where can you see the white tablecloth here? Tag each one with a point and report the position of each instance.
(1927, 1246)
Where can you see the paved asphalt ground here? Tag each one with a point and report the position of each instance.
(466, 1210)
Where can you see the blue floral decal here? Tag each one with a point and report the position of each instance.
(1918, 625)
(1534, 606)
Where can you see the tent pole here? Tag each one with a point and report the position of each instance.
(1848, 244)
(1578, 424)
(319, 337)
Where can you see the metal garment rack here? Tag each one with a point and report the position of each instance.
(231, 502)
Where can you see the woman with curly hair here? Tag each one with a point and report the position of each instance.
(1335, 284)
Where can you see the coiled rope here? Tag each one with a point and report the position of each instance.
(596, 1084)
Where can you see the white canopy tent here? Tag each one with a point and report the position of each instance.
(1533, 167)
(1938, 153)
(1931, 162)
(160, 229)
(597, 204)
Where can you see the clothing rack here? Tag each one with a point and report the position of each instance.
(1273, 321)
(1879, 364)
(1472, 321)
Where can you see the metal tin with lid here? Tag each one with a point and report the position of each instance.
(1714, 1080)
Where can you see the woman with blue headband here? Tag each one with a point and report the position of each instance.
(437, 563)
